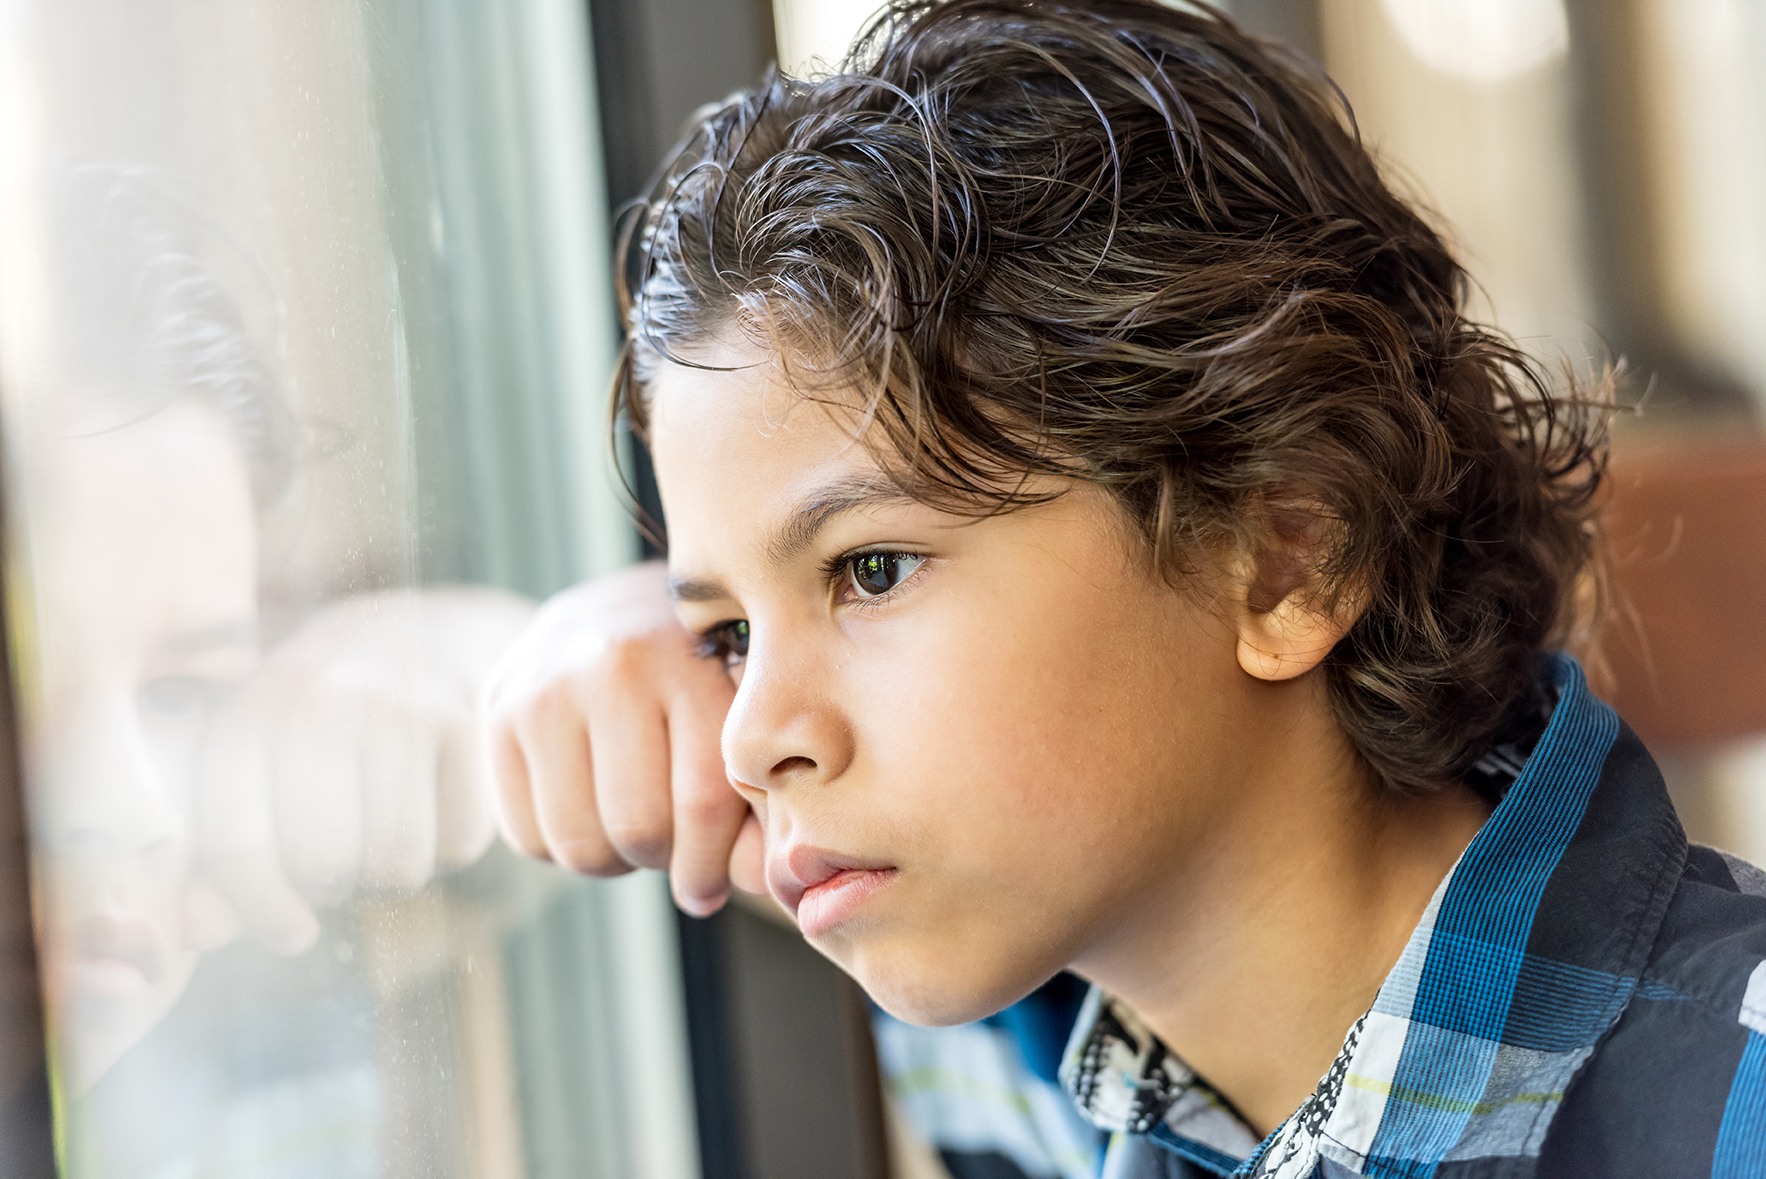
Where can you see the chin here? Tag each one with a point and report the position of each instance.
(103, 1013)
(937, 989)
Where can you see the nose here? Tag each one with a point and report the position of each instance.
(98, 785)
(786, 725)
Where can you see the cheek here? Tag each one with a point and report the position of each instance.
(1035, 765)
(1008, 725)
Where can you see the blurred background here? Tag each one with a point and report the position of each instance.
(305, 330)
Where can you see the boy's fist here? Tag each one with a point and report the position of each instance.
(352, 761)
(604, 729)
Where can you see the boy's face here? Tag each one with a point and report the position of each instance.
(978, 755)
(146, 562)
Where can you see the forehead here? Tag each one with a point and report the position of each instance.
(744, 391)
(161, 506)
(736, 446)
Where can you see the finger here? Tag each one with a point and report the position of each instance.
(465, 802)
(556, 746)
(748, 858)
(708, 811)
(514, 794)
(629, 748)
(398, 754)
(316, 783)
(236, 832)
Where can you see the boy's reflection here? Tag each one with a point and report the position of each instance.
(180, 784)
(146, 595)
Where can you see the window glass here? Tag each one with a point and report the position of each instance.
(304, 336)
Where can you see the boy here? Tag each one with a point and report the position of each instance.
(1107, 547)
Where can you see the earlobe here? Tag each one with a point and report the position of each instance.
(1289, 640)
(1286, 625)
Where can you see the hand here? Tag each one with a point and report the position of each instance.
(604, 733)
(354, 759)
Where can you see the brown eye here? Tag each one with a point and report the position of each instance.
(874, 574)
(726, 642)
(736, 640)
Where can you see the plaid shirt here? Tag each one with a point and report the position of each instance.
(1585, 995)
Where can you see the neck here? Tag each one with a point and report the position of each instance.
(1252, 959)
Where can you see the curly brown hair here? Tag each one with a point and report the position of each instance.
(1134, 245)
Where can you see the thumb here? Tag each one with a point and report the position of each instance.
(748, 858)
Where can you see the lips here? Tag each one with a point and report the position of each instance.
(116, 958)
(823, 888)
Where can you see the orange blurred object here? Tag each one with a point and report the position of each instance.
(1687, 523)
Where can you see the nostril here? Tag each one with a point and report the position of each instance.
(793, 764)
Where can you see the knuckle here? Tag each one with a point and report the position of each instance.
(547, 701)
(521, 836)
(512, 708)
(503, 706)
(533, 849)
(589, 857)
(623, 660)
(498, 705)
(641, 842)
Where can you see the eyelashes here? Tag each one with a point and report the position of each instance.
(858, 578)
(877, 572)
(727, 642)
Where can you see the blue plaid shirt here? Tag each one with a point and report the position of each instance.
(1585, 995)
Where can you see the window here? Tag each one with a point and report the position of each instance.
(303, 340)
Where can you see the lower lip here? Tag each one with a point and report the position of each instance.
(109, 978)
(838, 897)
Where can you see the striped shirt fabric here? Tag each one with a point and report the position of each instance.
(1584, 996)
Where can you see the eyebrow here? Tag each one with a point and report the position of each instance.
(801, 528)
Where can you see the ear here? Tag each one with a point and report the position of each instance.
(1286, 622)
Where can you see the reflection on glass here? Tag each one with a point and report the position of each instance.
(137, 471)
(248, 508)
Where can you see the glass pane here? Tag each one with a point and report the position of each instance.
(304, 333)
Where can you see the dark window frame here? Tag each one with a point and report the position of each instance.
(27, 1128)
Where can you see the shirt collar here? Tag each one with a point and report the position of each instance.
(1525, 957)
